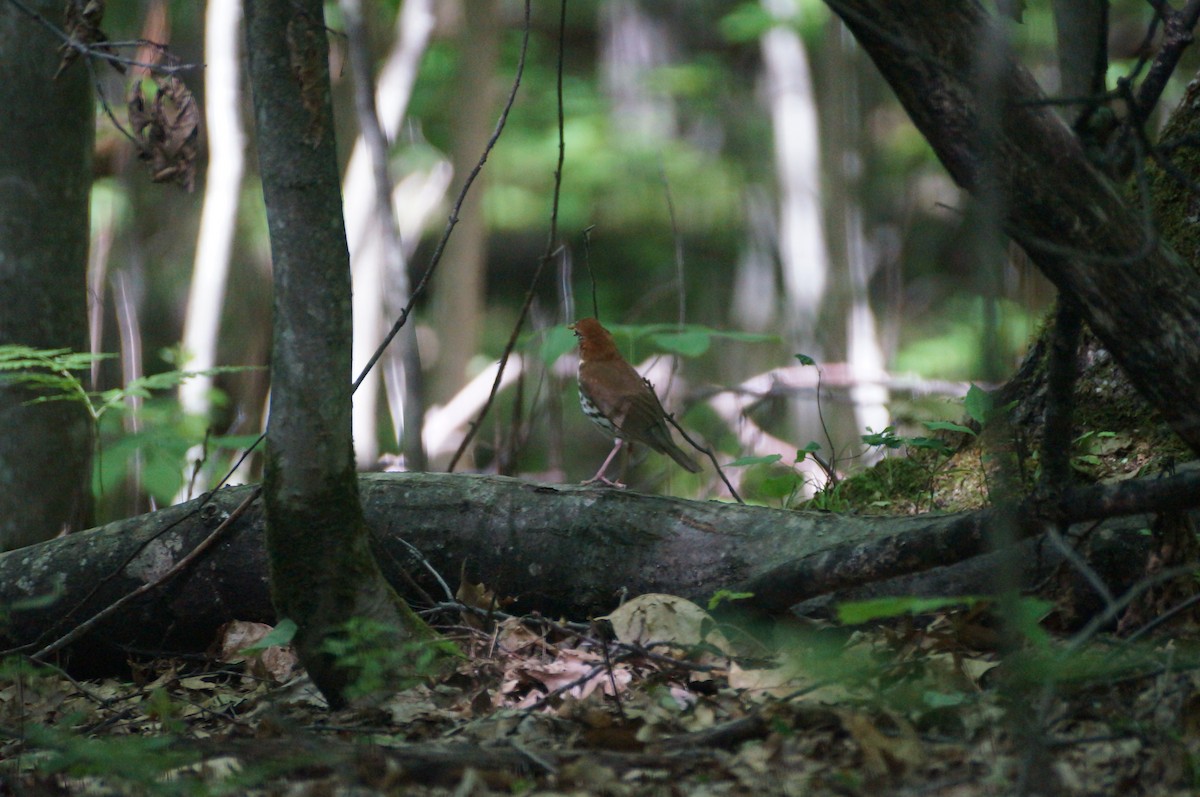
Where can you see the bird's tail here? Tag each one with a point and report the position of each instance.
(675, 453)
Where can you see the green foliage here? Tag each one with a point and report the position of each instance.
(979, 404)
(723, 595)
(50, 372)
(947, 346)
(687, 340)
(890, 440)
(831, 498)
(859, 612)
(748, 21)
(33, 601)
(369, 651)
(1090, 448)
(556, 342)
(767, 481)
(158, 449)
(135, 763)
(741, 462)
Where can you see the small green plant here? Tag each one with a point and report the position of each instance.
(859, 612)
(368, 649)
(830, 498)
(723, 595)
(934, 451)
(165, 434)
(133, 764)
(773, 482)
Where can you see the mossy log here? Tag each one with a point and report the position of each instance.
(561, 550)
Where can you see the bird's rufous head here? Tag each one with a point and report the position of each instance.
(595, 342)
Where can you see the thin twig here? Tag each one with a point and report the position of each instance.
(587, 262)
(90, 52)
(707, 451)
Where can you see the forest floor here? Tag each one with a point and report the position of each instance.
(919, 704)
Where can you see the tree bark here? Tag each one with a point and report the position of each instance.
(1135, 293)
(322, 571)
(46, 134)
(562, 550)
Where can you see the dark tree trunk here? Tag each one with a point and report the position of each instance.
(46, 134)
(1136, 295)
(322, 571)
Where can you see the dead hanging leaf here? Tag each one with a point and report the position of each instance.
(82, 20)
(165, 130)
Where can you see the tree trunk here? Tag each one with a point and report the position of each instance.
(1135, 293)
(322, 571)
(46, 134)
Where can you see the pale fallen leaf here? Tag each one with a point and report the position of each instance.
(667, 619)
(884, 754)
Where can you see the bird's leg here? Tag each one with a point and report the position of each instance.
(599, 477)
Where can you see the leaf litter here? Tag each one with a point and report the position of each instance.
(656, 698)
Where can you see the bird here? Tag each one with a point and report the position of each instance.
(618, 400)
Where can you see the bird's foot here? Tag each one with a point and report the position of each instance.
(598, 479)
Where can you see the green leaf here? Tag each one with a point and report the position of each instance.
(1028, 614)
(979, 404)
(812, 448)
(746, 23)
(722, 595)
(779, 486)
(858, 612)
(690, 340)
(805, 359)
(742, 462)
(233, 442)
(929, 444)
(282, 634)
(947, 426)
(944, 699)
(885, 438)
(689, 343)
(555, 343)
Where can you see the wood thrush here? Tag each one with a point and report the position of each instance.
(619, 400)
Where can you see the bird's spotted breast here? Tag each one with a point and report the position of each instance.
(598, 417)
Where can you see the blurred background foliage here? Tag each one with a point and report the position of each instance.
(672, 146)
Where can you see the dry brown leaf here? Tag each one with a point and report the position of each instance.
(476, 596)
(166, 130)
(81, 22)
(884, 754)
(234, 637)
(668, 619)
(513, 636)
(277, 663)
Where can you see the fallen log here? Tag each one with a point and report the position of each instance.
(562, 550)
